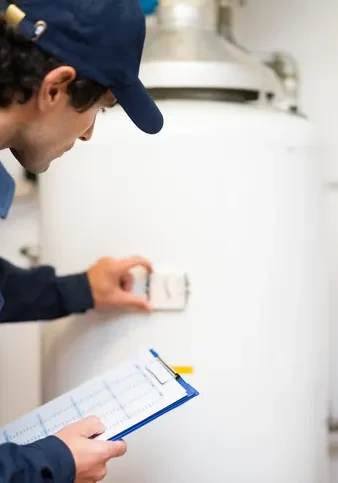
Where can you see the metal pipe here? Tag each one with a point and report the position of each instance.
(225, 20)
(32, 254)
(282, 63)
(286, 68)
(200, 14)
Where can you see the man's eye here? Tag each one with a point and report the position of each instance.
(104, 109)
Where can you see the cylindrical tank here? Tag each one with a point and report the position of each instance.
(229, 194)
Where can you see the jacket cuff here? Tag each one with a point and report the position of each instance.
(76, 293)
(59, 458)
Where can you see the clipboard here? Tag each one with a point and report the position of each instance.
(125, 398)
(191, 393)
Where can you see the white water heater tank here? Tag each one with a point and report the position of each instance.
(230, 195)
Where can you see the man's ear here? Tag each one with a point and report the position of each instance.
(53, 89)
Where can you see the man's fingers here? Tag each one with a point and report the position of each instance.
(91, 426)
(127, 282)
(128, 263)
(127, 299)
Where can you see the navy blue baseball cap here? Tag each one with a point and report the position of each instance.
(102, 39)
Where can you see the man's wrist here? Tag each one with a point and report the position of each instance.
(59, 459)
(76, 292)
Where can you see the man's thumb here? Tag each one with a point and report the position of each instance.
(91, 426)
(114, 449)
(128, 299)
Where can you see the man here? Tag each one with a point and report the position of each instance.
(61, 61)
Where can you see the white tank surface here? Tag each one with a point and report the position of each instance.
(229, 194)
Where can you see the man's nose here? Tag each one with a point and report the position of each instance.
(88, 134)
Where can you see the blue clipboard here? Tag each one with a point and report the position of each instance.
(191, 393)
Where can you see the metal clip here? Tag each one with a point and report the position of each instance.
(161, 371)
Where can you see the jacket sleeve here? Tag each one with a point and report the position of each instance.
(45, 461)
(38, 294)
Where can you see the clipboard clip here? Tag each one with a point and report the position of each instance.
(160, 370)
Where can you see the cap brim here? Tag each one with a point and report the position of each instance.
(139, 106)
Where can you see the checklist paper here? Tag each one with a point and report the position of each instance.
(122, 398)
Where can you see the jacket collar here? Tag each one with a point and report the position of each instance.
(7, 189)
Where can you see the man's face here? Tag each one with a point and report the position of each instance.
(50, 126)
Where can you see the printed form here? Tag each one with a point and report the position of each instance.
(121, 398)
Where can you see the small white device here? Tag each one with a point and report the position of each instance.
(167, 290)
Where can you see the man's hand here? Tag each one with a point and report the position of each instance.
(111, 283)
(90, 456)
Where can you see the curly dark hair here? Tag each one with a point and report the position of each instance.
(23, 66)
